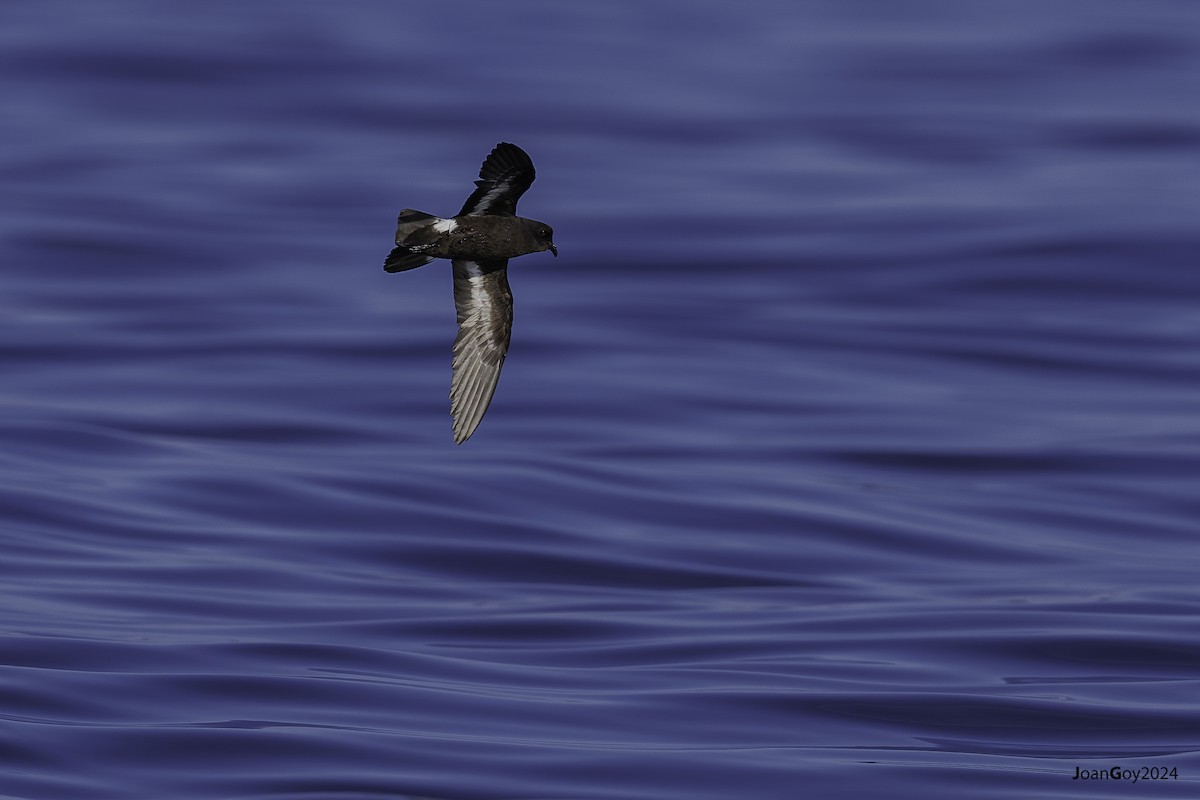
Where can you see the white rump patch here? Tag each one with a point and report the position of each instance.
(445, 225)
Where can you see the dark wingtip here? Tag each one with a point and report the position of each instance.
(506, 156)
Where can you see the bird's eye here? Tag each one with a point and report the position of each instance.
(542, 232)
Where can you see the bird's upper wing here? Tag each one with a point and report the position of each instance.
(484, 304)
(505, 175)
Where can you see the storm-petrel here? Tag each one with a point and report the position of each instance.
(479, 240)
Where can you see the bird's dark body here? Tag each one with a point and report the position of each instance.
(485, 238)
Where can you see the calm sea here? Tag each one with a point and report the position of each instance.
(850, 449)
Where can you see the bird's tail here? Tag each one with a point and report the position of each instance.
(407, 255)
(401, 258)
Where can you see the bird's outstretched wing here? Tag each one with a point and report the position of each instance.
(485, 308)
(505, 175)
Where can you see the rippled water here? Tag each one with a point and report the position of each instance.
(850, 448)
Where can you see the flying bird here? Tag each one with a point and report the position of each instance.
(479, 240)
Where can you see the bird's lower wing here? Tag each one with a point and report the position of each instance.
(484, 304)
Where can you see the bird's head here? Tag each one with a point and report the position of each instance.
(543, 235)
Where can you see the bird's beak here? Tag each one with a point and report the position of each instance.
(554, 249)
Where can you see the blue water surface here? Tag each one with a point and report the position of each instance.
(850, 448)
